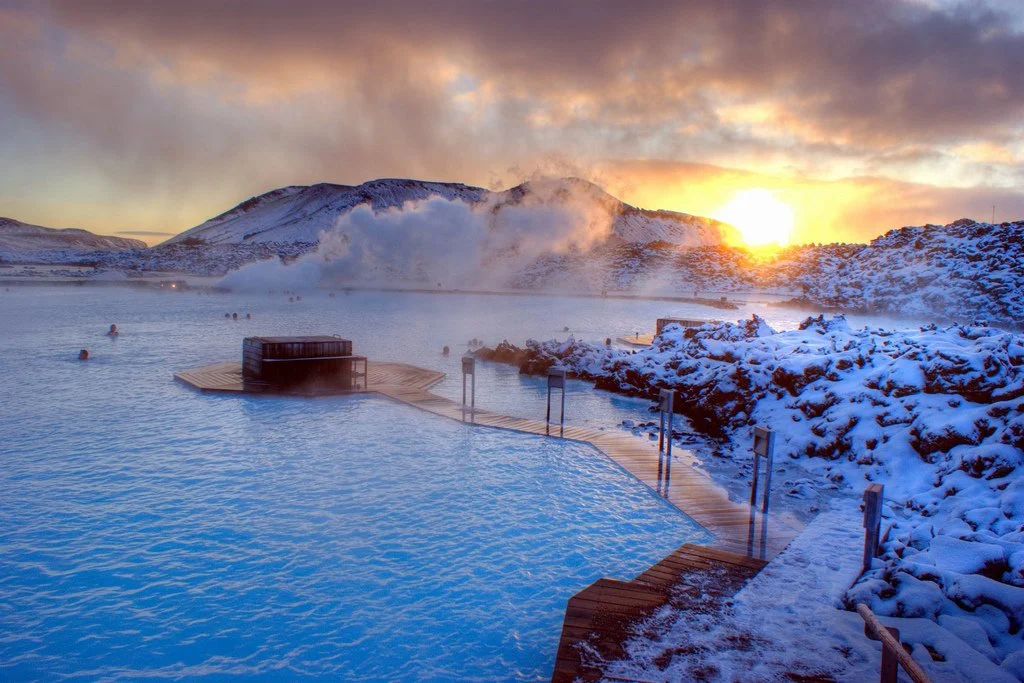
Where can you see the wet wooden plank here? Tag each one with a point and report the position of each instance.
(601, 618)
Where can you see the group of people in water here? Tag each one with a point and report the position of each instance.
(234, 316)
(112, 332)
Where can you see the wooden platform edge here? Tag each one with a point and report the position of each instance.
(384, 378)
(598, 620)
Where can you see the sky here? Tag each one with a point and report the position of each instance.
(143, 118)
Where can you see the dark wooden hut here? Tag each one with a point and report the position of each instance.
(314, 362)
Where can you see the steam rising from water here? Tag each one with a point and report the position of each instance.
(437, 240)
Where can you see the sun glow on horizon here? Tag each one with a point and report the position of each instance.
(759, 216)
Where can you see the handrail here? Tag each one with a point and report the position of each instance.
(893, 653)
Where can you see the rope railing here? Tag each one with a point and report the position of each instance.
(894, 655)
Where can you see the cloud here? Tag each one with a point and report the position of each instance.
(874, 69)
(854, 209)
(189, 106)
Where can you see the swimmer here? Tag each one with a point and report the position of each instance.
(83, 354)
(445, 351)
(248, 316)
(234, 316)
(113, 332)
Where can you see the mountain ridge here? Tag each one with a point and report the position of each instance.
(20, 239)
(299, 213)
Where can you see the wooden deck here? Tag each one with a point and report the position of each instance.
(227, 378)
(641, 342)
(600, 618)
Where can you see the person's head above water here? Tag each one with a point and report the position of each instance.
(113, 330)
(83, 354)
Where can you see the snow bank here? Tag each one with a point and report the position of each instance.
(936, 415)
(787, 625)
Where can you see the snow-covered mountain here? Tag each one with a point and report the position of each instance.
(21, 241)
(300, 213)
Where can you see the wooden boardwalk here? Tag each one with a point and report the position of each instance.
(600, 618)
(737, 528)
(734, 525)
(640, 342)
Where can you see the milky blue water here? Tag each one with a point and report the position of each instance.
(147, 530)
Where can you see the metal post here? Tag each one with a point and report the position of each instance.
(661, 426)
(873, 496)
(561, 414)
(469, 368)
(764, 447)
(556, 380)
(547, 418)
(667, 398)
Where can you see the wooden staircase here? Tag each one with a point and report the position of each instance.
(599, 619)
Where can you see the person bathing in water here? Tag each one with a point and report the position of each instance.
(113, 331)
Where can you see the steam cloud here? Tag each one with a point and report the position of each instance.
(437, 240)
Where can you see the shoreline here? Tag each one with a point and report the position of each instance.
(727, 301)
(732, 302)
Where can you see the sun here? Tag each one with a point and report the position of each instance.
(759, 216)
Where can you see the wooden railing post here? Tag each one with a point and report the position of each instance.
(894, 655)
(890, 663)
(872, 522)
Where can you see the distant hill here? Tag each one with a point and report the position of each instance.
(23, 241)
(299, 213)
(962, 270)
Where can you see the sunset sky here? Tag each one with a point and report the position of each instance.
(145, 118)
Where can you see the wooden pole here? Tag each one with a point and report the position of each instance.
(873, 496)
